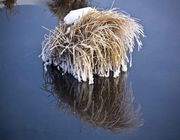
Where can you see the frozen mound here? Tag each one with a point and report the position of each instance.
(92, 42)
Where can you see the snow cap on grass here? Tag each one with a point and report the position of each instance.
(92, 42)
(75, 15)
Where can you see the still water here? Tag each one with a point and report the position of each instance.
(141, 104)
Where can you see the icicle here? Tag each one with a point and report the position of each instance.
(124, 66)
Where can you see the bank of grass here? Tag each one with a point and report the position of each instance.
(9, 4)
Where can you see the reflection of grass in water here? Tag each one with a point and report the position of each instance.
(108, 103)
(62, 7)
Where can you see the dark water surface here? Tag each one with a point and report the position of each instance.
(28, 111)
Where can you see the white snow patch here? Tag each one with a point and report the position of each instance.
(74, 15)
(31, 2)
(27, 2)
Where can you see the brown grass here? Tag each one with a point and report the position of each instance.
(107, 104)
(97, 44)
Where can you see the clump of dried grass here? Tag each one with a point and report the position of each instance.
(97, 44)
(107, 104)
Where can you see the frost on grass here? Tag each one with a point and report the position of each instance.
(100, 42)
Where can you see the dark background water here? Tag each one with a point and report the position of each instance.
(28, 112)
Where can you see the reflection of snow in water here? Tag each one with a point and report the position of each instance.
(27, 2)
